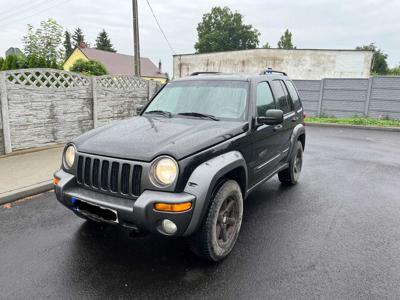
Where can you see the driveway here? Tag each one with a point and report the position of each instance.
(334, 235)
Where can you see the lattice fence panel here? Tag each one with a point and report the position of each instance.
(47, 78)
(121, 82)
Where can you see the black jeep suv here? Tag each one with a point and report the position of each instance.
(184, 165)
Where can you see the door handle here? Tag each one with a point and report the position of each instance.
(295, 119)
(278, 127)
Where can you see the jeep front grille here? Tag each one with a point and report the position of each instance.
(109, 175)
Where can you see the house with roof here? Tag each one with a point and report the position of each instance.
(116, 63)
(14, 51)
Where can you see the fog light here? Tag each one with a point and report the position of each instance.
(168, 226)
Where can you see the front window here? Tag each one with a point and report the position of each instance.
(224, 100)
(265, 100)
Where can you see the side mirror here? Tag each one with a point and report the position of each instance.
(139, 109)
(272, 117)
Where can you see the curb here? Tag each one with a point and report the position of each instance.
(393, 129)
(18, 194)
(31, 150)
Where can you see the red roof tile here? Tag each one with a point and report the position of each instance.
(122, 64)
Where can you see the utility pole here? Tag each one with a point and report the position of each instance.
(136, 44)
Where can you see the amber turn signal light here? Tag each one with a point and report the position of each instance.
(173, 207)
(56, 180)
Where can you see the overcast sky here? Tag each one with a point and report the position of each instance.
(338, 24)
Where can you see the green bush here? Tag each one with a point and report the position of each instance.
(13, 62)
(89, 67)
(34, 61)
(1, 63)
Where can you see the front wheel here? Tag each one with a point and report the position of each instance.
(221, 225)
(290, 176)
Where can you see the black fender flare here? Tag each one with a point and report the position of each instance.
(203, 179)
(298, 130)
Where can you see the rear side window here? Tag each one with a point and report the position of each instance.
(293, 94)
(265, 100)
(282, 97)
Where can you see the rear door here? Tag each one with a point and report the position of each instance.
(266, 140)
(284, 102)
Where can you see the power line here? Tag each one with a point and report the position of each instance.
(36, 13)
(24, 7)
(159, 27)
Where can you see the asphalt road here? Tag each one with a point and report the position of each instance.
(334, 235)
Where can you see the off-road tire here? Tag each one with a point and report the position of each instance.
(291, 175)
(225, 211)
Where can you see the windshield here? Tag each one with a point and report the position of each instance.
(226, 100)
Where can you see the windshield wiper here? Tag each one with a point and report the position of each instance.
(159, 112)
(199, 115)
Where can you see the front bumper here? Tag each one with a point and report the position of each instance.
(132, 214)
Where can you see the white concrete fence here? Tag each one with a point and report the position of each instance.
(42, 107)
(376, 97)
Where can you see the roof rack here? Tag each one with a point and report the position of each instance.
(271, 71)
(204, 73)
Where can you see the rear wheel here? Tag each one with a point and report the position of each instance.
(221, 225)
(291, 175)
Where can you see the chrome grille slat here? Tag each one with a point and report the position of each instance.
(131, 180)
(109, 175)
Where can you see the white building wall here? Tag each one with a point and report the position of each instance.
(298, 63)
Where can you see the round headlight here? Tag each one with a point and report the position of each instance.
(69, 156)
(164, 171)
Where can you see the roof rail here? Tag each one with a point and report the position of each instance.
(270, 71)
(204, 73)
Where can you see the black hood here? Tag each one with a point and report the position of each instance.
(144, 138)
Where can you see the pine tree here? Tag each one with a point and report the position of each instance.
(103, 42)
(285, 41)
(67, 44)
(78, 37)
(267, 46)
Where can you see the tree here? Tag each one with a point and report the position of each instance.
(1, 63)
(267, 46)
(395, 71)
(89, 67)
(67, 44)
(223, 30)
(13, 62)
(43, 45)
(78, 37)
(380, 65)
(285, 42)
(103, 42)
